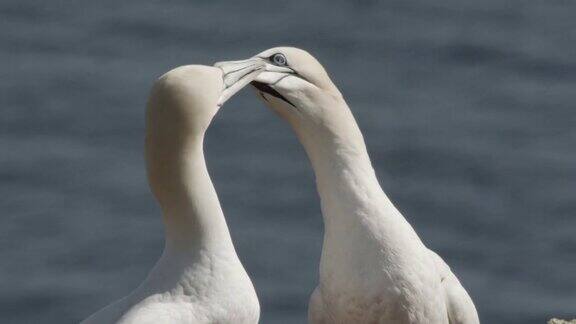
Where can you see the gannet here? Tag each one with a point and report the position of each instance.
(373, 268)
(199, 278)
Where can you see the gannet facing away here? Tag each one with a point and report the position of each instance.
(374, 268)
(199, 278)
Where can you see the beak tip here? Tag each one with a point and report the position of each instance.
(237, 74)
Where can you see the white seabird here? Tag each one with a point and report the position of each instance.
(374, 268)
(199, 278)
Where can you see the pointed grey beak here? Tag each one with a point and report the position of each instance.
(237, 74)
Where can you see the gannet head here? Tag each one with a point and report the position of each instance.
(295, 84)
(191, 95)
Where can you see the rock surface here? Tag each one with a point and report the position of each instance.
(560, 321)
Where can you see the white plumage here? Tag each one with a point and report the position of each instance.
(374, 268)
(199, 278)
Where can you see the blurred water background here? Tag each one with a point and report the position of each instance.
(468, 110)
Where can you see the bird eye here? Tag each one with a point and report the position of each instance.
(279, 59)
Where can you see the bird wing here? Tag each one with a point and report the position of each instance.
(461, 309)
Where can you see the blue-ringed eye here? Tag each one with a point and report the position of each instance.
(279, 59)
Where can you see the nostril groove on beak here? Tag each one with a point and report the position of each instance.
(233, 80)
(236, 74)
(240, 69)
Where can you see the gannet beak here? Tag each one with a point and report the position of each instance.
(237, 74)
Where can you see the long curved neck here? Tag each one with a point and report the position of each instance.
(351, 197)
(345, 178)
(180, 182)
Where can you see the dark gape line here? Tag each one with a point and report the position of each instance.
(268, 89)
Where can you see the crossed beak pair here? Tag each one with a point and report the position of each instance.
(237, 74)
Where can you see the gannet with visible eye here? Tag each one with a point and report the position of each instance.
(199, 278)
(374, 268)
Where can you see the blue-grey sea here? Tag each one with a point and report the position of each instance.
(468, 109)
